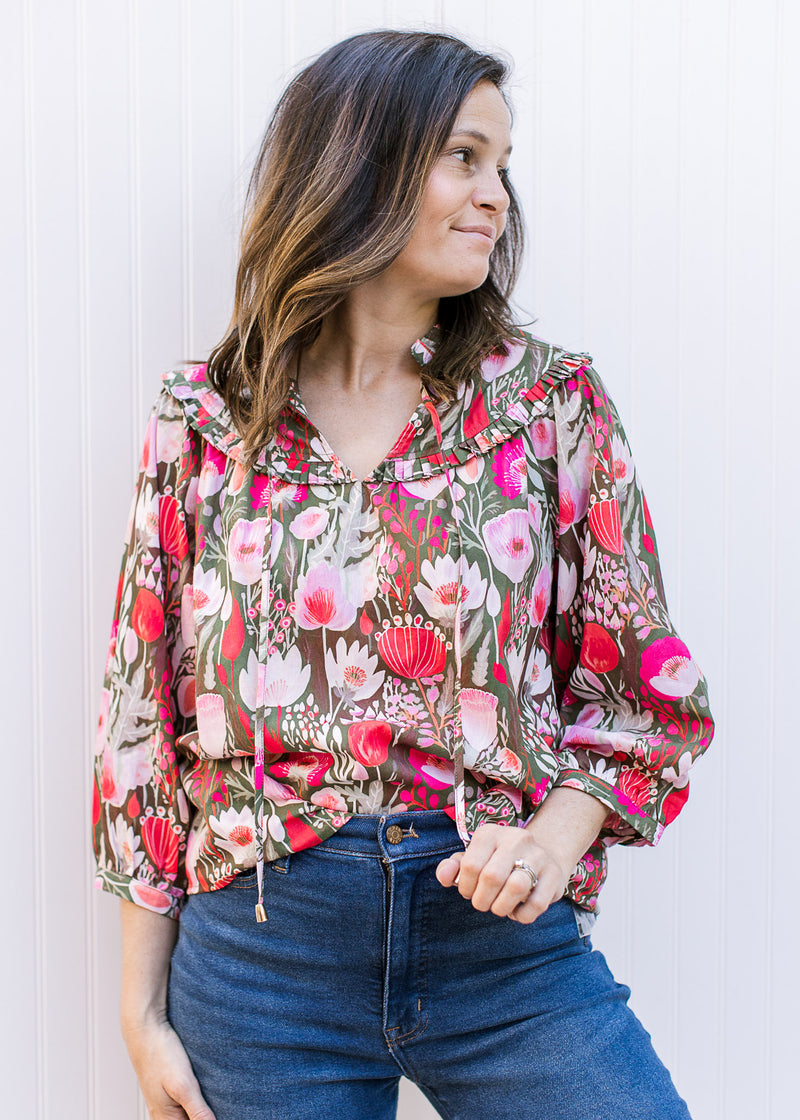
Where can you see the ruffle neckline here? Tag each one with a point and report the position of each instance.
(508, 394)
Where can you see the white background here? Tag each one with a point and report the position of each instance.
(658, 159)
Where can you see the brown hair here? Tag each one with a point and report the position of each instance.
(332, 201)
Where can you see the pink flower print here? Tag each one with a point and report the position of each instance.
(668, 668)
(567, 585)
(540, 599)
(235, 831)
(237, 478)
(149, 897)
(125, 844)
(351, 671)
(212, 473)
(283, 492)
(623, 464)
(170, 440)
(509, 468)
(187, 614)
(679, 775)
(321, 600)
(212, 728)
(306, 767)
(439, 593)
(259, 492)
(534, 516)
(472, 470)
(149, 462)
(509, 762)
(508, 540)
(124, 770)
(496, 364)
(277, 793)
(478, 722)
(245, 549)
(539, 675)
(543, 434)
(436, 772)
(424, 489)
(207, 593)
(633, 790)
(329, 799)
(309, 523)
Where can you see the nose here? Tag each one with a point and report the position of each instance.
(491, 194)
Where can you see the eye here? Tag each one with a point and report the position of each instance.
(464, 154)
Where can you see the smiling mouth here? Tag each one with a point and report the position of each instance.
(484, 235)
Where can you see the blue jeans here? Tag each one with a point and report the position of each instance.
(368, 969)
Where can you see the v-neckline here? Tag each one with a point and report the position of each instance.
(296, 402)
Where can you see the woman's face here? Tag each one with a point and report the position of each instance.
(464, 204)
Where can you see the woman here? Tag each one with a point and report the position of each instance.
(338, 673)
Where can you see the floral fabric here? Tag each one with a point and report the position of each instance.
(295, 602)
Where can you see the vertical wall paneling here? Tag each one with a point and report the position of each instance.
(781, 993)
(20, 1032)
(657, 157)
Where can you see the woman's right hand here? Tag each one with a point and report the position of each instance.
(166, 1078)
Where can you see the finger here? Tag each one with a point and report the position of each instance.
(548, 890)
(501, 884)
(186, 1093)
(448, 869)
(478, 853)
(516, 890)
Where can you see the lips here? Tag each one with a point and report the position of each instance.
(483, 231)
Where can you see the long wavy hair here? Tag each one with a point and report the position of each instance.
(333, 199)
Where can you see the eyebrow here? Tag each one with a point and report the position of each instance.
(479, 136)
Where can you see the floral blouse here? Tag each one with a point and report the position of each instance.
(479, 621)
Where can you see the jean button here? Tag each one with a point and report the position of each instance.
(394, 834)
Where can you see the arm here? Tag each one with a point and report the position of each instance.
(165, 1075)
(141, 815)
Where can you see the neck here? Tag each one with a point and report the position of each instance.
(367, 339)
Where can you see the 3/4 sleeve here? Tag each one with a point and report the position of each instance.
(633, 703)
(141, 815)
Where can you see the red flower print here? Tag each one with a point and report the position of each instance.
(171, 528)
(369, 741)
(605, 524)
(147, 617)
(411, 651)
(633, 790)
(599, 651)
(161, 842)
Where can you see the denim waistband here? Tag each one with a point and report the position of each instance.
(395, 835)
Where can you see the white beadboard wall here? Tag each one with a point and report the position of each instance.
(658, 158)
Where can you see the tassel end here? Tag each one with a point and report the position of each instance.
(261, 914)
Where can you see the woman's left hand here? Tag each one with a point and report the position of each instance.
(485, 873)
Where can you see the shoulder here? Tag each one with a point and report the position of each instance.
(189, 395)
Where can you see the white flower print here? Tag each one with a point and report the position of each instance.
(235, 831)
(438, 594)
(351, 671)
